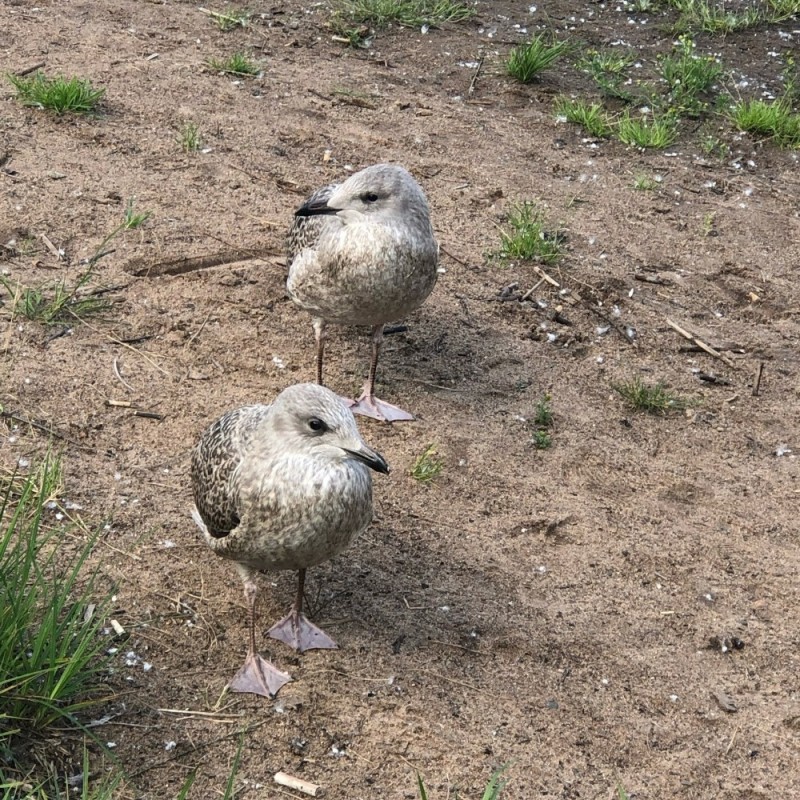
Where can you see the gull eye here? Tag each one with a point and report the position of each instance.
(370, 197)
(317, 425)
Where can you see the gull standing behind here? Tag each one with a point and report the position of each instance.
(363, 253)
(282, 486)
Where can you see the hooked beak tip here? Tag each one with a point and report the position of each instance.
(371, 458)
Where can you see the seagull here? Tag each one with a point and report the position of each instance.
(282, 486)
(363, 252)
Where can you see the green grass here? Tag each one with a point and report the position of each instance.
(493, 790)
(51, 613)
(189, 137)
(63, 302)
(133, 219)
(55, 304)
(543, 413)
(656, 132)
(230, 18)
(591, 116)
(645, 183)
(781, 10)
(608, 69)
(59, 94)
(408, 13)
(528, 60)
(236, 64)
(774, 120)
(715, 16)
(527, 238)
(428, 466)
(542, 423)
(688, 76)
(654, 399)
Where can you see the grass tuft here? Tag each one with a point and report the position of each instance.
(712, 16)
(688, 76)
(774, 120)
(51, 305)
(655, 399)
(59, 94)
(590, 116)
(428, 466)
(230, 18)
(236, 64)
(655, 132)
(542, 422)
(132, 219)
(645, 183)
(189, 137)
(528, 60)
(528, 238)
(408, 13)
(608, 69)
(50, 616)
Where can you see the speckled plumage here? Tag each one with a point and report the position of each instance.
(363, 252)
(272, 493)
(370, 263)
(282, 486)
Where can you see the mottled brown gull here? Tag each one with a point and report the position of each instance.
(363, 253)
(282, 486)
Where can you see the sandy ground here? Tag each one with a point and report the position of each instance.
(561, 610)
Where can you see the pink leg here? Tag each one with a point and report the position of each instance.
(296, 630)
(257, 675)
(319, 338)
(368, 405)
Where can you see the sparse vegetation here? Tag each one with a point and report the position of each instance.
(189, 137)
(608, 69)
(230, 18)
(50, 305)
(528, 238)
(133, 219)
(493, 790)
(647, 130)
(591, 116)
(409, 13)
(428, 466)
(528, 60)
(59, 94)
(712, 16)
(52, 612)
(654, 399)
(688, 76)
(542, 423)
(236, 64)
(774, 120)
(645, 183)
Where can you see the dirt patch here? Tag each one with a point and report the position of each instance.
(565, 609)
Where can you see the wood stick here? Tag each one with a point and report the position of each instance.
(284, 779)
(757, 381)
(51, 247)
(475, 76)
(27, 71)
(700, 343)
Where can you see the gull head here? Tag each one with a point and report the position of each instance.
(382, 193)
(312, 420)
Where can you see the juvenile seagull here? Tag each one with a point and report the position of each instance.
(363, 253)
(282, 486)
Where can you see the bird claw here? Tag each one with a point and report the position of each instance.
(258, 676)
(296, 631)
(369, 406)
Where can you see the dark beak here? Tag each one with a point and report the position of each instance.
(315, 207)
(372, 458)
